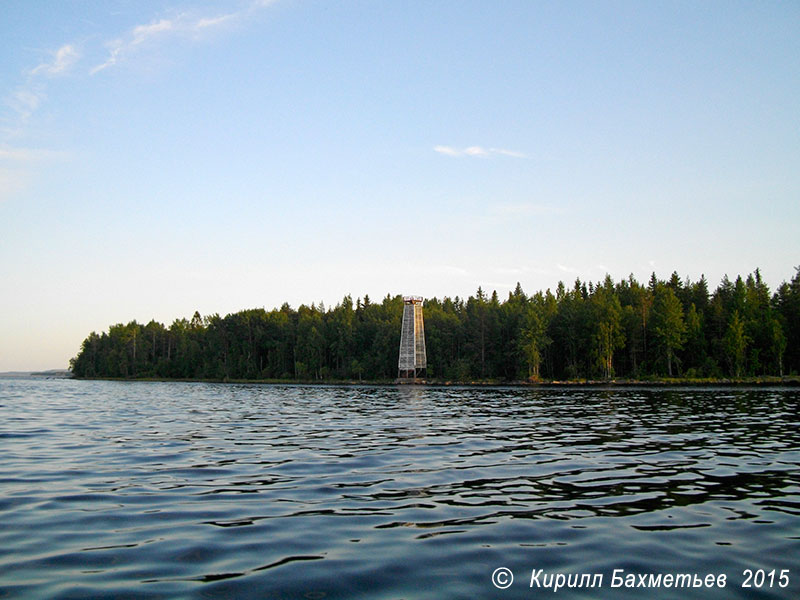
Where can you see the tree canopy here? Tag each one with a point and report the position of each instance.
(599, 330)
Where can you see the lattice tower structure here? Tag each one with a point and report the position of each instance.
(413, 361)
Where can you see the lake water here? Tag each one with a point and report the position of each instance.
(148, 490)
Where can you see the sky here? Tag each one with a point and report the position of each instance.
(164, 157)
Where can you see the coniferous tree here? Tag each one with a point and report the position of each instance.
(735, 344)
(787, 304)
(668, 325)
(602, 329)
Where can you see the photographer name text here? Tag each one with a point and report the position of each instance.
(503, 578)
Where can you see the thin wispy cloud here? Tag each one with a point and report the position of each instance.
(63, 59)
(185, 24)
(143, 32)
(138, 36)
(476, 152)
(25, 101)
(19, 105)
(214, 21)
(567, 269)
(28, 97)
(447, 150)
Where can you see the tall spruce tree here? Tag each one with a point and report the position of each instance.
(668, 325)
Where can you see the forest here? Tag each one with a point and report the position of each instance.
(674, 328)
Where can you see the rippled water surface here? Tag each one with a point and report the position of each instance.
(117, 490)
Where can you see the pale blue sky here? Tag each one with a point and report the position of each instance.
(158, 158)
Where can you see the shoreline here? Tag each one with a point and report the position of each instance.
(744, 382)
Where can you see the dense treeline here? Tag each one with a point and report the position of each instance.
(627, 329)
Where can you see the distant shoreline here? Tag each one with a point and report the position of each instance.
(759, 382)
(48, 374)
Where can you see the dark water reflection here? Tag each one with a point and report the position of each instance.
(130, 490)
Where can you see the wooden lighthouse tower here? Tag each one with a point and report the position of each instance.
(413, 363)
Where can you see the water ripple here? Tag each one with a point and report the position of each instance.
(172, 490)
